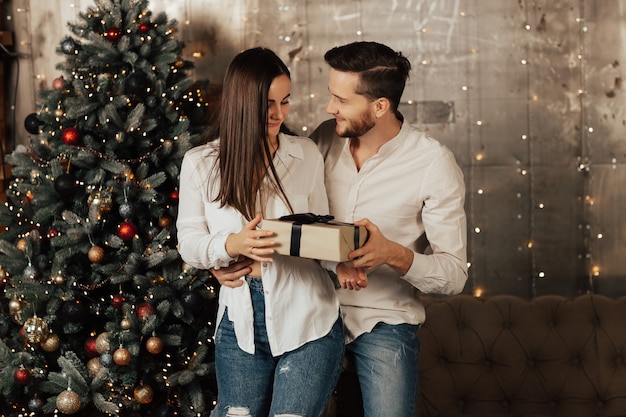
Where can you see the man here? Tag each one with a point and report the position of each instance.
(404, 187)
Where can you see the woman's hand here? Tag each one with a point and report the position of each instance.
(251, 243)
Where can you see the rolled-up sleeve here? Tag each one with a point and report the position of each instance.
(198, 245)
(443, 215)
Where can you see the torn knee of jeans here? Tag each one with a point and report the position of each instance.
(238, 411)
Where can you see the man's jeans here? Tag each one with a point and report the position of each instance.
(297, 383)
(387, 366)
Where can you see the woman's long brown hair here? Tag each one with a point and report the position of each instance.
(245, 157)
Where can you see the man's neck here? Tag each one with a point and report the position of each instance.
(384, 130)
(366, 146)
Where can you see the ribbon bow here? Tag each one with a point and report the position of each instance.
(307, 218)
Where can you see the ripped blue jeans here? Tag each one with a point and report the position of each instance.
(296, 383)
(386, 362)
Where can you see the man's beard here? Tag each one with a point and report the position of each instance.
(358, 128)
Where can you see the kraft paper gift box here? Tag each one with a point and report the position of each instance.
(317, 237)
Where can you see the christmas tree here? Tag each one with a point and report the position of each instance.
(100, 316)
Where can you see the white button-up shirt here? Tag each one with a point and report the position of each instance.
(300, 299)
(411, 187)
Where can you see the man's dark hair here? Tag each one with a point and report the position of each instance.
(382, 71)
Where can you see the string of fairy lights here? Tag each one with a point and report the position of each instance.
(529, 139)
(292, 31)
(476, 286)
(585, 146)
(527, 169)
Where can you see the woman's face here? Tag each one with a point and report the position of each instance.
(278, 104)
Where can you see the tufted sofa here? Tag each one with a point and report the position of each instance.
(508, 356)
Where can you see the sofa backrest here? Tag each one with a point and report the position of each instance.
(504, 355)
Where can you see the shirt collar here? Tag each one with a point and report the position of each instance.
(288, 147)
(396, 141)
(391, 144)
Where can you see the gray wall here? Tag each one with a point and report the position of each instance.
(528, 95)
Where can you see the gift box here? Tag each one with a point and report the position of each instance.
(316, 237)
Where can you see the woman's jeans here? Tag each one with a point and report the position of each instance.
(296, 383)
(387, 367)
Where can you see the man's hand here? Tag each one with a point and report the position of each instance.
(231, 275)
(378, 250)
(351, 278)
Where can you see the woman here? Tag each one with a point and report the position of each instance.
(279, 342)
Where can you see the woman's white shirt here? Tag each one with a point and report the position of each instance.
(300, 299)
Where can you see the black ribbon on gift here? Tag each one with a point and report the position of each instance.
(300, 219)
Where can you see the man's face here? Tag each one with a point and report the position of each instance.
(353, 112)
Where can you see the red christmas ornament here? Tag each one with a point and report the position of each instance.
(21, 376)
(90, 347)
(70, 135)
(144, 310)
(174, 195)
(114, 34)
(58, 83)
(143, 27)
(126, 230)
(118, 301)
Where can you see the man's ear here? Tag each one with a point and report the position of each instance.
(382, 106)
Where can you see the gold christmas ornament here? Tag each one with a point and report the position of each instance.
(22, 244)
(95, 367)
(121, 356)
(154, 345)
(15, 306)
(15, 311)
(143, 394)
(95, 254)
(51, 343)
(126, 324)
(68, 402)
(36, 329)
(102, 343)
